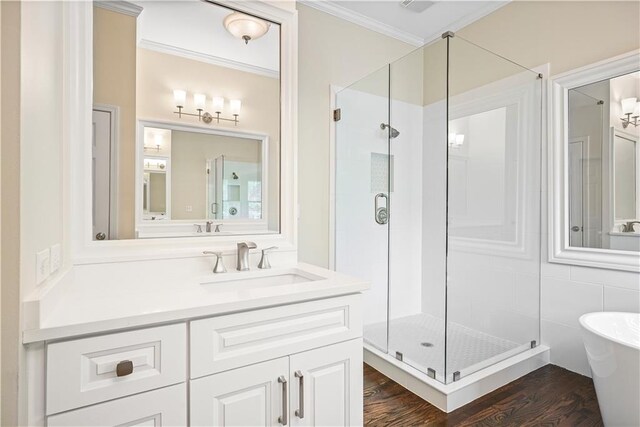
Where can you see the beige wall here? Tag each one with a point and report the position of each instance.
(189, 153)
(259, 94)
(331, 51)
(10, 180)
(114, 73)
(567, 34)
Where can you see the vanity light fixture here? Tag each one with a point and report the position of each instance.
(245, 27)
(631, 109)
(456, 140)
(157, 138)
(200, 102)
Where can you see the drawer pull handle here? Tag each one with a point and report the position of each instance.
(284, 418)
(300, 411)
(124, 368)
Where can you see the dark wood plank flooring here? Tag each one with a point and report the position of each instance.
(550, 396)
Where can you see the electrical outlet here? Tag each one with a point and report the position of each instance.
(56, 257)
(43, 265)
(188, 208)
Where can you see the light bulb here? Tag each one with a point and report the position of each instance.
(199, 100)
(218, 104)
(235, 105)
(628, 105)
(179, 97)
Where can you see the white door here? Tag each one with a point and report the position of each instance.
(101, 159)
(326, 386)
(576, 174)
(254, 395)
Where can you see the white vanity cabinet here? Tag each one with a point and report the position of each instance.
(294, 364)
(316, 387)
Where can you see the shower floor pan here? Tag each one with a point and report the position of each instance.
(484, 361)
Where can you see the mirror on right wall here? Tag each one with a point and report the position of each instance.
(603, 164)
(594, 165)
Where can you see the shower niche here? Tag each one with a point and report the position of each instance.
(448, 138)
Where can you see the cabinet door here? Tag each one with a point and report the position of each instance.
(326, 386)
(248, 396)
(164, 407)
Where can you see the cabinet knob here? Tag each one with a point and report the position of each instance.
(124, 368)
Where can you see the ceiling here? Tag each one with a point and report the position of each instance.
(420, 22)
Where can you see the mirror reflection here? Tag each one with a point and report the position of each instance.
(603, 161)
(186, 121)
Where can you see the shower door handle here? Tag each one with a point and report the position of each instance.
(381, 213)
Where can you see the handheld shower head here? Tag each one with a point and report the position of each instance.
(393, 132)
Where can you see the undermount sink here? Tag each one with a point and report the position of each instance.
(253, 279)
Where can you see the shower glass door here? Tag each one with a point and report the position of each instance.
(493, 198)
(417, 221)
(362, 190)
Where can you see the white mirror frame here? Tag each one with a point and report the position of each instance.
(559, 249)
(78, 104)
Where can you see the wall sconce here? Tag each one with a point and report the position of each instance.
(157, 138)
(456, 140)
(631, 109)
(245, 27)
(200, 102)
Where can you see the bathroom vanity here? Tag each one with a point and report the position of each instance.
(136, 325)
(265, 347)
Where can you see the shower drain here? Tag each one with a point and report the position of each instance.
(426, 344)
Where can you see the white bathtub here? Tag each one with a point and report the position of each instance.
(612, 341)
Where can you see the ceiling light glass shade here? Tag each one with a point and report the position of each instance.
(199, 100)
(245, 27)
(217, 104)
(628, 105)
(235, 105)
(179, 97)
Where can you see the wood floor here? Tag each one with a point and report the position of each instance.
(550, 396)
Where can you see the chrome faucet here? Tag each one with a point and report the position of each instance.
(243, 255)
(628, 227)
(208, 224)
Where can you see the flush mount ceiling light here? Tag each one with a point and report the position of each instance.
(245, 27)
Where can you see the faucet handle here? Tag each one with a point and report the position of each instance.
(219, 268)
(198, 228)
(217, 229)
(264, 260)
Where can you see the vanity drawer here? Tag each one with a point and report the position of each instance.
(164, 407)
(85, 371)
(226, 342)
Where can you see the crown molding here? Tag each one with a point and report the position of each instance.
(209, 59)
(123, 7)
(467, 19)
(363, 21)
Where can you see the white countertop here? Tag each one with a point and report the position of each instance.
(97, 298)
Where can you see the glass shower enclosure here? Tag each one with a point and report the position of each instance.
(437, 204)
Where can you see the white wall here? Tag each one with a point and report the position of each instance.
(365, 248)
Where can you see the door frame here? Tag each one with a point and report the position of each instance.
(114, 141)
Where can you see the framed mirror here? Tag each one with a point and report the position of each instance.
(192, 67)
(186, 121)
(596, 159)
(198, 181)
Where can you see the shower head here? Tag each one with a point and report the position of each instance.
(393, 132)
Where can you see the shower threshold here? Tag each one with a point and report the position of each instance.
(449, 397)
